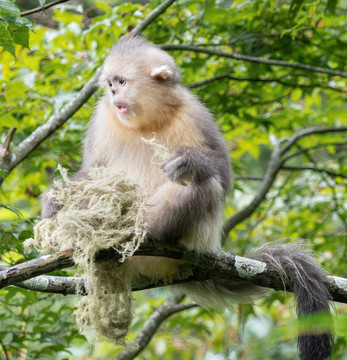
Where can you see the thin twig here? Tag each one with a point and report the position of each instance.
(255, 59)
(310, 131)
(246, 178)
(314, 147)
(197, 26)
(331, 173)
(333, 191)
(40, 8)
(152, 16)
(5, 149)
(273, 80)
(169, 307)
(5, 350)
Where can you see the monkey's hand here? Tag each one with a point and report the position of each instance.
(187, 164)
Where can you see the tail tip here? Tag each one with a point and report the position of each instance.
(315, 347)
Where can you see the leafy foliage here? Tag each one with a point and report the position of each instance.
(250, 101)
(13, 28)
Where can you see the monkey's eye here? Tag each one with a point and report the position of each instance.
(121, 81)
(109, 83)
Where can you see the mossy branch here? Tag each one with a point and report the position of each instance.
(196, 267)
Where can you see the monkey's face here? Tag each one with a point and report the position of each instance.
(139, 81)
(126, 89)
(139, 98)
(120, 101)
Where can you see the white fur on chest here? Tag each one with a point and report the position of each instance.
(132, 156)
(136, 161)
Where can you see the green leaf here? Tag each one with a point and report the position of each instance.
(295, 6)
(8, 338)
(8, 7)
(25, 234)
(42, 4)
(12, 257)
(20, 34)
(20, 21)
(331, 6)
(6, 40)
(10, 208)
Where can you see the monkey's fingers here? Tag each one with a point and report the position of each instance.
(178, 170)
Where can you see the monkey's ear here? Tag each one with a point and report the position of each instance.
(162, 73)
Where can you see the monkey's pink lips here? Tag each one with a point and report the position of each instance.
(122, 109)
(121, 106)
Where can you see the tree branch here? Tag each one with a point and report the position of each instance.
(197, 267)
(169, 307)
(314, 147)
(255, 59)
(54, 122)
(152, 16)
(63, 285)
(5, 149)
(198, 25)
(4, 350)
(273, 80)
(314, 168)
(32, 268)
(40, 8)
(246, 178)
(275, 164)
(268, 180)
(310, 131)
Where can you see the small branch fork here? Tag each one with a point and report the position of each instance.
(5, 149)
(197, 267)
(170, 306)
(276, 163)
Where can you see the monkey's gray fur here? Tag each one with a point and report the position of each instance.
(143, 96)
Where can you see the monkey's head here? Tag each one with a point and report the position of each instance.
(140, 82)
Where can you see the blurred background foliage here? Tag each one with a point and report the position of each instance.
(43, 68)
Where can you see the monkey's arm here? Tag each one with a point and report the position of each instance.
(187, 164)
(192, 198)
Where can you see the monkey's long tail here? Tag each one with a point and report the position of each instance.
(307, 277)
(311, 294)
